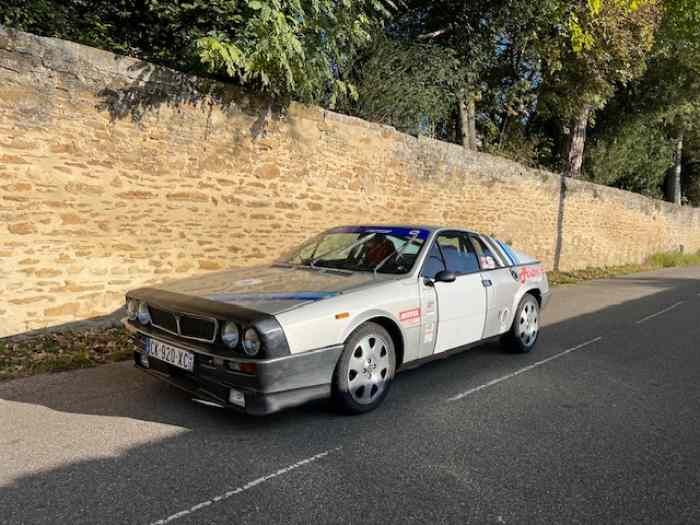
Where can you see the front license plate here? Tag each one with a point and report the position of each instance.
(175, 356)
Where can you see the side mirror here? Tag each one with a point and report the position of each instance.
(445, 276)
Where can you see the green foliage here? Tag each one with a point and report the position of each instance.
(606, 46)
(653, 262)
(295, 48)
(673, 259)
(680, 31)
(633, 155)
(287, 48)
(629, 68)
(411, 86)
(633, 138)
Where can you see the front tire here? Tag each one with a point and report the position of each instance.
(525, 329)
(365, 369)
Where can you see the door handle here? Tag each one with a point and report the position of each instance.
(486, 283)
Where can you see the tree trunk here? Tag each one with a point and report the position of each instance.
(504, 130)
(575, 144)
(673, 178)
(467, 121)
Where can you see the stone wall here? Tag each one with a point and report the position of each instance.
(115, 173)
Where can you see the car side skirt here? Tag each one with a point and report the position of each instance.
(410, 365)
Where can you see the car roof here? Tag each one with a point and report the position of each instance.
(430, 227)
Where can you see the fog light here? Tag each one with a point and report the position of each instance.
(246, 368)
(236, 397)
(143, 359)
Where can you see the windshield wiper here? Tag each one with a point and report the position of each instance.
(327, 269)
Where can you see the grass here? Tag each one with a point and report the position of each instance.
(62, 351)
(653, 262)
(674, 259)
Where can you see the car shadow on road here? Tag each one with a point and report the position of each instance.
(214, 445)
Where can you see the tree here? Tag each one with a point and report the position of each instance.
(666, 100)
(500, 44)
(604, 45)
(628, 150)
(409, 85)
(464, 31)
(525, 34)
(691, 167)
(674, 77)
(287, 48)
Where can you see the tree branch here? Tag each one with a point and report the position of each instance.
(434, 34)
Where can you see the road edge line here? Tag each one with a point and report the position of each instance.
(652, 316)
(243, 488)
(522, 370)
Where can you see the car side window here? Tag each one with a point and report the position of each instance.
(451, 251)
(487, 260)
(434, 263)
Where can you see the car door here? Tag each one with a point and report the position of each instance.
(501, 284)
(453, 313)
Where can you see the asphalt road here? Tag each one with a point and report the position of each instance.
(608, 432)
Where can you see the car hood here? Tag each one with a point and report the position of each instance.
(272, 289)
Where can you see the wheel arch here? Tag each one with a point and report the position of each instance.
(537, 293)
(533, 290)
(389, 324)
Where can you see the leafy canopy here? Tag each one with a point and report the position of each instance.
(287, 48)
(605, 46)
(411, 86)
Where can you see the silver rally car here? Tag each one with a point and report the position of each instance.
(336, 317)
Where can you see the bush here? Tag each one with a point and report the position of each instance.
(673, 259)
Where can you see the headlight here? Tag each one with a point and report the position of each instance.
(143, 315)
(251, 342)
(132, 309)
(230, 334)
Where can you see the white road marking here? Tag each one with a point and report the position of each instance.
(522, 370)
(648, 317)
(243, 488)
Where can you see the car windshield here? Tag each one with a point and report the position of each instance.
(361, 249)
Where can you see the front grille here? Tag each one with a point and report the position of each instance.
(163, 320)
(197, 328)
(184, 325)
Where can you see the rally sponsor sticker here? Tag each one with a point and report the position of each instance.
(487, 262)
(429, 333)
(410, 316)
(528, 273)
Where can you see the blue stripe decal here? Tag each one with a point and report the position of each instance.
(251, 297)
(513, 259)
(386, 230)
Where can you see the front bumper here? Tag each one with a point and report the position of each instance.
(277, 383)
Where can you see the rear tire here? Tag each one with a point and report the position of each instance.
(365, 370)
(525, 329)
